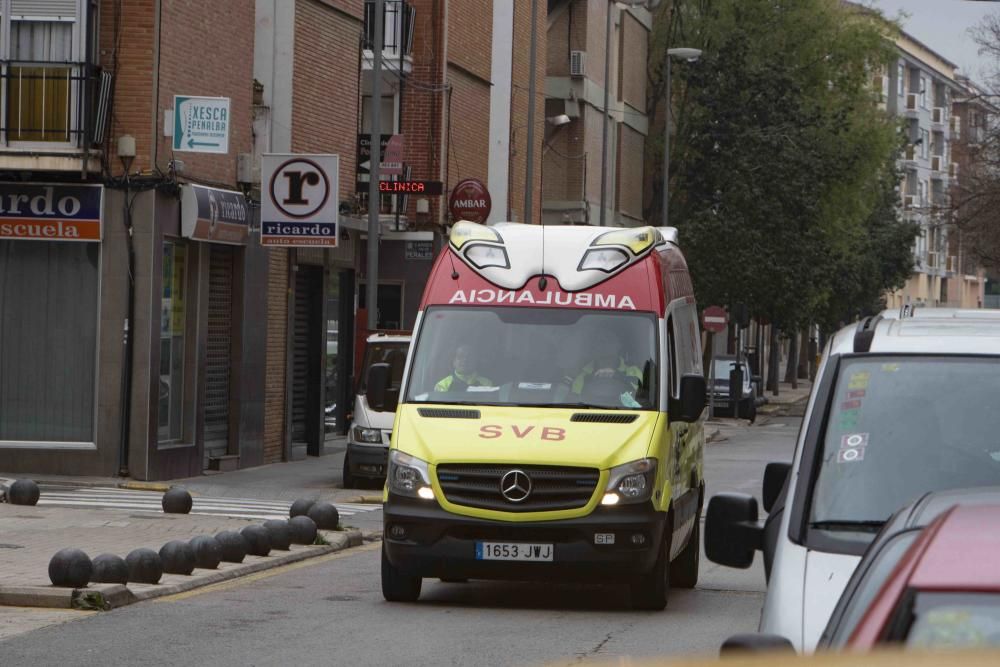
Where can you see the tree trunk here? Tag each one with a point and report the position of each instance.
(791, 368)
(774, 361)
(804, 354)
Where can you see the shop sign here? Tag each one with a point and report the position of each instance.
(50, 212)
(201, 124)
(470, 200)
(420, 250)
(299, 204)
(212, 214)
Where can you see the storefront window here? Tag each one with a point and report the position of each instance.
(173, 309)
(48, 340)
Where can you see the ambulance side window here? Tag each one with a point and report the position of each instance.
(672, 354)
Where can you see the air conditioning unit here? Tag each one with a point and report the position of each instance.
(911, 101)
(936, 162)
(938, 115)
(910, 153)
(956, 127)
(577, 63)
(910, 201)
(932, 259)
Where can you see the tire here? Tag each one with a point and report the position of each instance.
(650, 593)
(396, 586)
(684, 569)
(350, 481)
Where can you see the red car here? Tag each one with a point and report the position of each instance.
(943, 590)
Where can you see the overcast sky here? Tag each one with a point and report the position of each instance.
(943, 25)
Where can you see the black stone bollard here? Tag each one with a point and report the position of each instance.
(303, 530)
(234, 546)
(177, 501)
(70, 568)
(144, 566)
(177, 557)
(278, 531)
(23, 492)
(258, 539)
(325, 515)
(109, 569)
(300, 507)
(207, 552)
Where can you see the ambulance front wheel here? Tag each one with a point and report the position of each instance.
(651, 591)
(397, 586)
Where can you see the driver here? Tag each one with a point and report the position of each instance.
(607, 363)
(464, 374)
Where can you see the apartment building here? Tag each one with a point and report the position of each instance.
(454, 90)
(579, 43)
(921, 89)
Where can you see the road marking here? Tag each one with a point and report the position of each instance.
(151, 501)
(266, 574)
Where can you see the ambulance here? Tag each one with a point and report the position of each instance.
(550, 424)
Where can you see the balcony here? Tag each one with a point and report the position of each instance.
(52, 115)
(398, 20)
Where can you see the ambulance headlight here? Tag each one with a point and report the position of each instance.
(608, 260)
(636, 239)
(408, 475)
(631, 482)
(464, 231)
(485, 256)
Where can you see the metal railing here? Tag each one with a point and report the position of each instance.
(53, 103)
(397, 27)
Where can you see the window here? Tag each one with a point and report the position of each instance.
(901, 79)
(48, 344)
(43, 53)
(173, 311)
(954, 621)
(925, 142)
(923, 92)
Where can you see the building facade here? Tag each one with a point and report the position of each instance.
(579, 43)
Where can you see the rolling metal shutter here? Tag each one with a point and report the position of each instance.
(51, 9)
(220, 345)
(306, 357)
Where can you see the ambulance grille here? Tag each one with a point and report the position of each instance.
(603, 418)
(447, 413)
(552, 487)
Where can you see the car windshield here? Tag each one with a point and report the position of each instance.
(542, 357)
(900, 427)
(723, 367)
(945, 621)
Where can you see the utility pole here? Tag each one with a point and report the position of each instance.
(529, 171)
(604, 133)
(374, 201)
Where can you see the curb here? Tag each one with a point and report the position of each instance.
(116, 595)
(145, 486)
(711, 437)
(365, 500)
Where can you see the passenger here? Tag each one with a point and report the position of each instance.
(464, 374)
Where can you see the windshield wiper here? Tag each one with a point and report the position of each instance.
(585, 406)
(849, 525)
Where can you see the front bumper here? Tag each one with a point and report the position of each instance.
(441, 544)
(369, 461)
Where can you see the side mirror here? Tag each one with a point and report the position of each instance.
(775, 476)
(756, 643)
(731, 530)
(376, 384)
(694, 393)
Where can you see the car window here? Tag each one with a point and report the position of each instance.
(864, 586)
(966, 620)
(899, 427)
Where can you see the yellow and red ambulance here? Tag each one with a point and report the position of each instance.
(550, 422)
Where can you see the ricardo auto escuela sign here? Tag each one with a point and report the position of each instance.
(50, 212)
(299, 200)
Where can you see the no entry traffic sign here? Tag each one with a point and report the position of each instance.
(714, 319)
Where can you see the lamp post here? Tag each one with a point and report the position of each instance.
(685, 54)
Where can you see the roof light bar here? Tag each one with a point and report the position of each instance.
(636, 239)
(464, 231)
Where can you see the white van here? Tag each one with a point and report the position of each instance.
(371, 425)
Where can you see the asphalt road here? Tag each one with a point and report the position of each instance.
(331, 611)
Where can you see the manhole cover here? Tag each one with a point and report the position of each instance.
(10, 546)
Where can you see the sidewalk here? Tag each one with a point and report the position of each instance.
(32, 535)
(786, 398)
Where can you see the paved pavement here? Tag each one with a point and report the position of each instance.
(330, 610)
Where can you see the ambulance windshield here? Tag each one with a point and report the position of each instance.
(536, 356)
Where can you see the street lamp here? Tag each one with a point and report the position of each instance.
(689, 55)
(625, 4)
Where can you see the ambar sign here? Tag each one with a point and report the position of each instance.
(50, 212)
(470, 200)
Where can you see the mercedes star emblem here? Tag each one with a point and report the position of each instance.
(515, 486)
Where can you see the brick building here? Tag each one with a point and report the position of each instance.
(577, 48)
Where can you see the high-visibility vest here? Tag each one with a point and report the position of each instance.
(588, 370)
(474, 380)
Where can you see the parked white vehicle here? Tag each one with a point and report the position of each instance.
(901, 407)
(371, 426)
